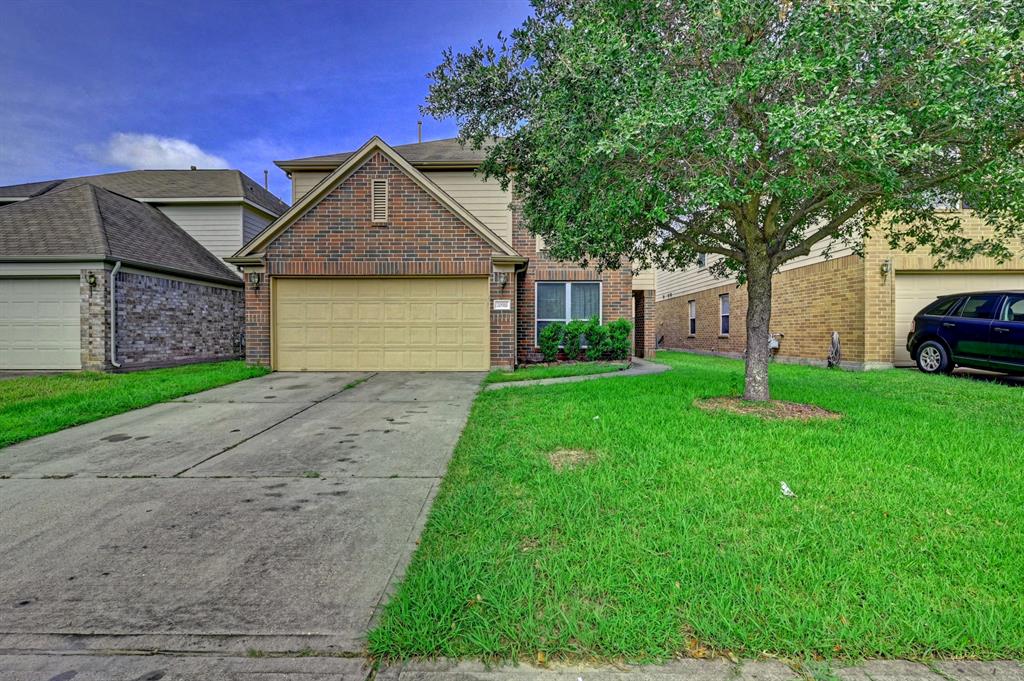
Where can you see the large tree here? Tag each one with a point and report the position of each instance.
(651, 131)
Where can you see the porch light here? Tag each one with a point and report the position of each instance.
(254, 279)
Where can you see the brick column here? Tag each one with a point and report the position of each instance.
(257, 321)
(95, 314)
(645, 333)
(503, 322)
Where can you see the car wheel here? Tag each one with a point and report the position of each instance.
(932, 358)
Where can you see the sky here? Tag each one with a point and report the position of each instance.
(102, 85)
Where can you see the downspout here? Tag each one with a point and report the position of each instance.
(113, 315)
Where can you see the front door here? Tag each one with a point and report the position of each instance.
(968, 330)
(1008, 335)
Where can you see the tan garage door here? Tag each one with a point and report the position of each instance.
(40, 324)
(915, 291)
(418, 324)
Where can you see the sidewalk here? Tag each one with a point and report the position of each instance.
(639, 367)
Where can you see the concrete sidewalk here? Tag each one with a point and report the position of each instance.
(639, 367)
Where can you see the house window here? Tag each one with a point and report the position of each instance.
(723, 303)
(563, 301)
(379, 202)
(693, 317)
(702, 260)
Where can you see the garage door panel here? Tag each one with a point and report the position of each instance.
(40, 324)
(914, 291)
(383, 325)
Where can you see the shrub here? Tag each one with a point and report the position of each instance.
(597, 339)
(550, 339)
(619, 345)
(573, 338)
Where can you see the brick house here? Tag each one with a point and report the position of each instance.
(91, 279)
(404, 259)
(869, 299)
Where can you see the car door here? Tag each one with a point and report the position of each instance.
(1007, 342)
(968, 330)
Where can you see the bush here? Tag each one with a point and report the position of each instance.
(597, 339)
(550, 339)
(573, 338)
(619, 345)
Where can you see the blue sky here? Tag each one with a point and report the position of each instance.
(101, 85)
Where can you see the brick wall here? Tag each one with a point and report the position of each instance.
(645, 333)
(503, 323)
(808, 303)
(95, 319)
(616, 287)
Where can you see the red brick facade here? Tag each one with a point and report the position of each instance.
(645, 336)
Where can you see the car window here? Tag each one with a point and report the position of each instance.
(1013, 311)
(979, 307)
(941, 307)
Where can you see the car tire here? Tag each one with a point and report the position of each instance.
(932, 358)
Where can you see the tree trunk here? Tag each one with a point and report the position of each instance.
(759, 314)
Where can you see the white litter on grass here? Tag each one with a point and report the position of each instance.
(786, 491)
(596, 417)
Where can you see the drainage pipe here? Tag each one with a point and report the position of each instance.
(113, 314)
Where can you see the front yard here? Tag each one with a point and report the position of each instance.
(615, 520)
(31, 406)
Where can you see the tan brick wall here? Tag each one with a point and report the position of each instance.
(808, 304)
(645, 330)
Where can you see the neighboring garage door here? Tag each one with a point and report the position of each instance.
(40, 324)
(915, 291)
(381, 324)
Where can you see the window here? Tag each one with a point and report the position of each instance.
(702, 260)
(723, 303)
(979, 307)
(942, 307)
(379, 209)
(564, 301)
(693, 317)
(1014, 310)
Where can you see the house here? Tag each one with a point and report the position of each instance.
(221, 209)
(92, 279)
(869, 300)
(402, 258)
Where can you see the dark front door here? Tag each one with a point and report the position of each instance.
(1008, 335)
(968, 330)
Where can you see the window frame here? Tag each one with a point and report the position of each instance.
(1008, 302)
(691, 308)
(724, 318)
(959, 310)
(568, 302)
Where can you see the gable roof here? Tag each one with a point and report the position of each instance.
(88, 222)
(153, 185)
(435, 153)
(341, 173)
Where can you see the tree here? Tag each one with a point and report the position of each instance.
(651, 131)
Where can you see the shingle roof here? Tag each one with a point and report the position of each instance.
(87, 221)
(446, 151)
(164, 184)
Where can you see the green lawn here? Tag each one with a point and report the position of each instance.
(906, 537)
(535, 372)
(31, 406)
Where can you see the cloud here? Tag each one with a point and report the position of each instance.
(137, 151)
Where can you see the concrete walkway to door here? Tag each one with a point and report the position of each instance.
(270, 515)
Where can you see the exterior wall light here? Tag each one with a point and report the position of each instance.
(91, 279)
(254, 279)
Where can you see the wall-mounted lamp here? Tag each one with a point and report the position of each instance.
(503, 279)
(254, 279)
(886, 266)
(91, 280)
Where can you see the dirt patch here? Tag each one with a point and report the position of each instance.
(568, 459)
(773, 410)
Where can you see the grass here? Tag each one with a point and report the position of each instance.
(904, 539)
(531, 373)
(31, 406)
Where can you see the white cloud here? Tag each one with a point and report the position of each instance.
(137, 151)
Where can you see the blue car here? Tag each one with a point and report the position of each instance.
(979, 330)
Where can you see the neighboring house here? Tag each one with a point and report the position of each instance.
(870, 301)
(221, 209)
(91, 279)
(404, 259)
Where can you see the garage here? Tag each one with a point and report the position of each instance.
(915, 291)
(40, 324)
(381, 324)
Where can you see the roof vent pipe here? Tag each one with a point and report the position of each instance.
(419, 131)
(266, 179)
(113, 315)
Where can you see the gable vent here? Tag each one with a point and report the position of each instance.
(380, 201)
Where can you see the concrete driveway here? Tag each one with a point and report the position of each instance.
(270, 515)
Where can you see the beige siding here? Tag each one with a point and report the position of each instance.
(484, 199)
(644, 280)
(252, 224)
(218, 228)
(303, 181)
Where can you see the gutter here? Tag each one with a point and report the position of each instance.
(113, 315)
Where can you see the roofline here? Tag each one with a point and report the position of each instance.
(245, 259)
(215, 200)
(351, 164)
(290, 166)
(138, 264)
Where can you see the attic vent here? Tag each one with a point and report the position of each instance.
(380, 201)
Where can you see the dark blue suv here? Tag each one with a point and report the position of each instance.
(980, 330)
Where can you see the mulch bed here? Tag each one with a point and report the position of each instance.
(773, 410)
